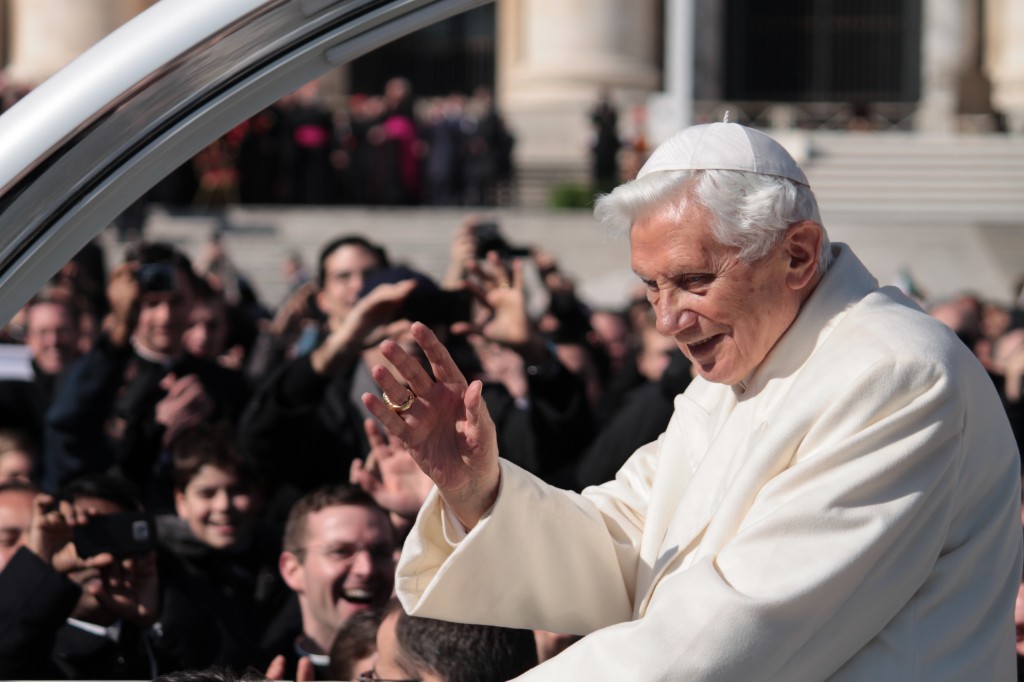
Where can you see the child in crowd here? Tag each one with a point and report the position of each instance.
(219, 576)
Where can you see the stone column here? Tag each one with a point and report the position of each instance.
(943, 44)
(1004, 59)
(553, 58)
(45, 35)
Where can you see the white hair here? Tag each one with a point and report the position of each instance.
(750, 211)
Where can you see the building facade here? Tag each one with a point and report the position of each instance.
(923, 65)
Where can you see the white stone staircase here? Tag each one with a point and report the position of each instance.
(979, 177)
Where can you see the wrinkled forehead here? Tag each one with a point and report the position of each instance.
(678, 227)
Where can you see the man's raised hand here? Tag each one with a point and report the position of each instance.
(447, 429)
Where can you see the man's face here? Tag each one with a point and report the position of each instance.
(16, 465)
(15, 519)
(164, 317)
(612, 332)
(724, 314)
(207, 331)
(347, 565)
(51, 333)
(217, 506)
(344, 272)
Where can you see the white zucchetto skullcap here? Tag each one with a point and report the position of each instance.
(723, 146)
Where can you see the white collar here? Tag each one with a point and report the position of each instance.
(111, 632)
(318, 660)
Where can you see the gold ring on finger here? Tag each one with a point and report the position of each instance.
(398, 408)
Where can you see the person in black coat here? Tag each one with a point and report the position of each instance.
(51, 338)
(122, 403)
(220, 585)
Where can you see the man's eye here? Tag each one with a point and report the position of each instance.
(341, 553)
(697, 281)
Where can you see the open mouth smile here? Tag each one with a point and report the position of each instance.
(704, 347)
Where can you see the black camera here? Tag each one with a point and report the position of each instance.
(489, 238)
(436, 307)
(156, 277)
(124, 534)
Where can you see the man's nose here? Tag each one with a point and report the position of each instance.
(222, 501)
(162, 312)
(672, 316)
(362, 562)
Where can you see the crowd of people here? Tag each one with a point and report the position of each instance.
(386, 149)
(254, 508)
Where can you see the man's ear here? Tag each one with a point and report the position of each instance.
(802, 244)
(292, 572)
(321, 302)
(179, 503)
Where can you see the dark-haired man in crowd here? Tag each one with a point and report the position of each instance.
(339, 559)
(15, 517)
(123, 402)
(107, 634)
(305, 408)
(51, 336)
(411, 648)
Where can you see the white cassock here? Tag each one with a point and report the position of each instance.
(852, 513)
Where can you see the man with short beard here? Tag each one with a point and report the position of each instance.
(339, 559)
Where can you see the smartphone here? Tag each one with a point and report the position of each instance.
(489, 238)
(437, 307)
(156, 277)
(122, 534)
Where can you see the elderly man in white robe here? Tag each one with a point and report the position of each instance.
(836, 496)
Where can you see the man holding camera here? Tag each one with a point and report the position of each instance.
(75, 601)
(302, 428)
(122, 403)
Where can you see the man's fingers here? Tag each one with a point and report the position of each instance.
(396, 391)
(440, 360)
(517, 274)
(411, 370)
(75, 516)
(472, 402)
(304, 670)
(391, 421)
(276, 669)
(101, 560)
(373, 433)
(41, 502)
